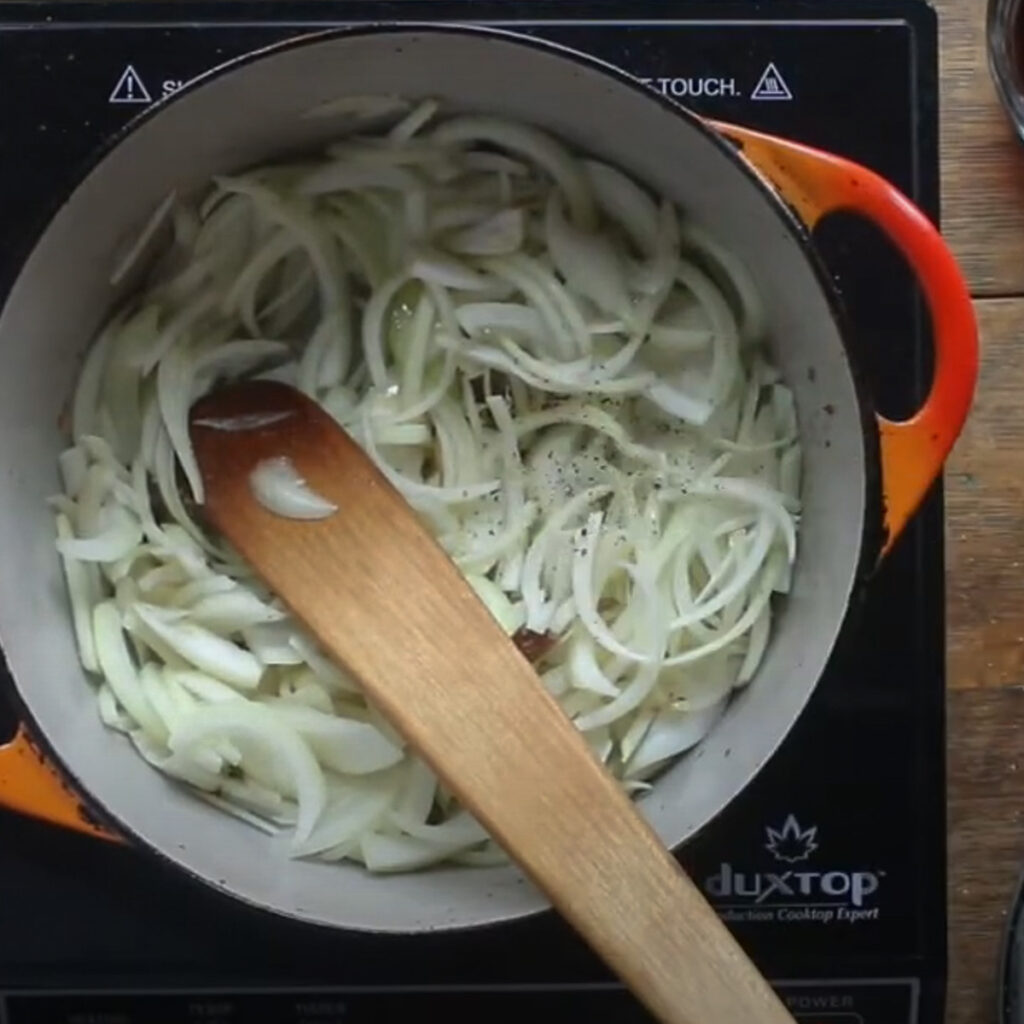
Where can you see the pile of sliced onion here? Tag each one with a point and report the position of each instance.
(569, 385)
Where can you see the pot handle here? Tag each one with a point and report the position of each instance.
(30, 784)
(815, 183)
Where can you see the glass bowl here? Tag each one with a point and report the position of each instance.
(1005, 44)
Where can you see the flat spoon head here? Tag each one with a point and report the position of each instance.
(384, 601)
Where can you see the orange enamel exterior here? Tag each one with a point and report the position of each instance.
(30, 784)
(813, 183)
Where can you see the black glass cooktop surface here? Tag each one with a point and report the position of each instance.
(830, 868)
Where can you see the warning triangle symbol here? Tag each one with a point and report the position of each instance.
(130, 88)
(771, 86)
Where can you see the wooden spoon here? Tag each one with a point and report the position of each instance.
(385, 602)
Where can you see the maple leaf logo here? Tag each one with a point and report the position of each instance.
(791, 844)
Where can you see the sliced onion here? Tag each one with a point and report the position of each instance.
(117, 668)
(671, 733)
(202, 686)
(476, 317)
(119, 537)
(508, 615)
(73, 468)
(254, 723)
(302, 687)
(82, 595)
(498, 235)
(562, 375)
(156, 221)
(385, 854)
(211, 653)
(446, 271)
(343, 745)
(625, 203)
(413, 121)
(460, 830)
(277, 485)
(271, 642)
(541, 148)
(587, 261)
(232, 611)
(346, 818)
(584, 670)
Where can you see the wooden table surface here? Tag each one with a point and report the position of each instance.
(983, 219)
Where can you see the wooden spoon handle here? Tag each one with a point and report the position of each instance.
(513, 757)
(384, 600)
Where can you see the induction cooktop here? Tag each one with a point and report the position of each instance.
(830, 867)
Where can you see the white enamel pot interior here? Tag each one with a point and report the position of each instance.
(253, 111)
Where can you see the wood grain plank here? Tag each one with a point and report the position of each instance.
(982, 161)
(985, 513)
(983, 218)
(986, 841)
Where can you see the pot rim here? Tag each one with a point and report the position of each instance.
(872, 529)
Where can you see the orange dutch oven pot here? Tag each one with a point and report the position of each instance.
(761, 197)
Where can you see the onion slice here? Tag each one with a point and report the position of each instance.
(283, 744)
(562, 373)
(278, 487)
